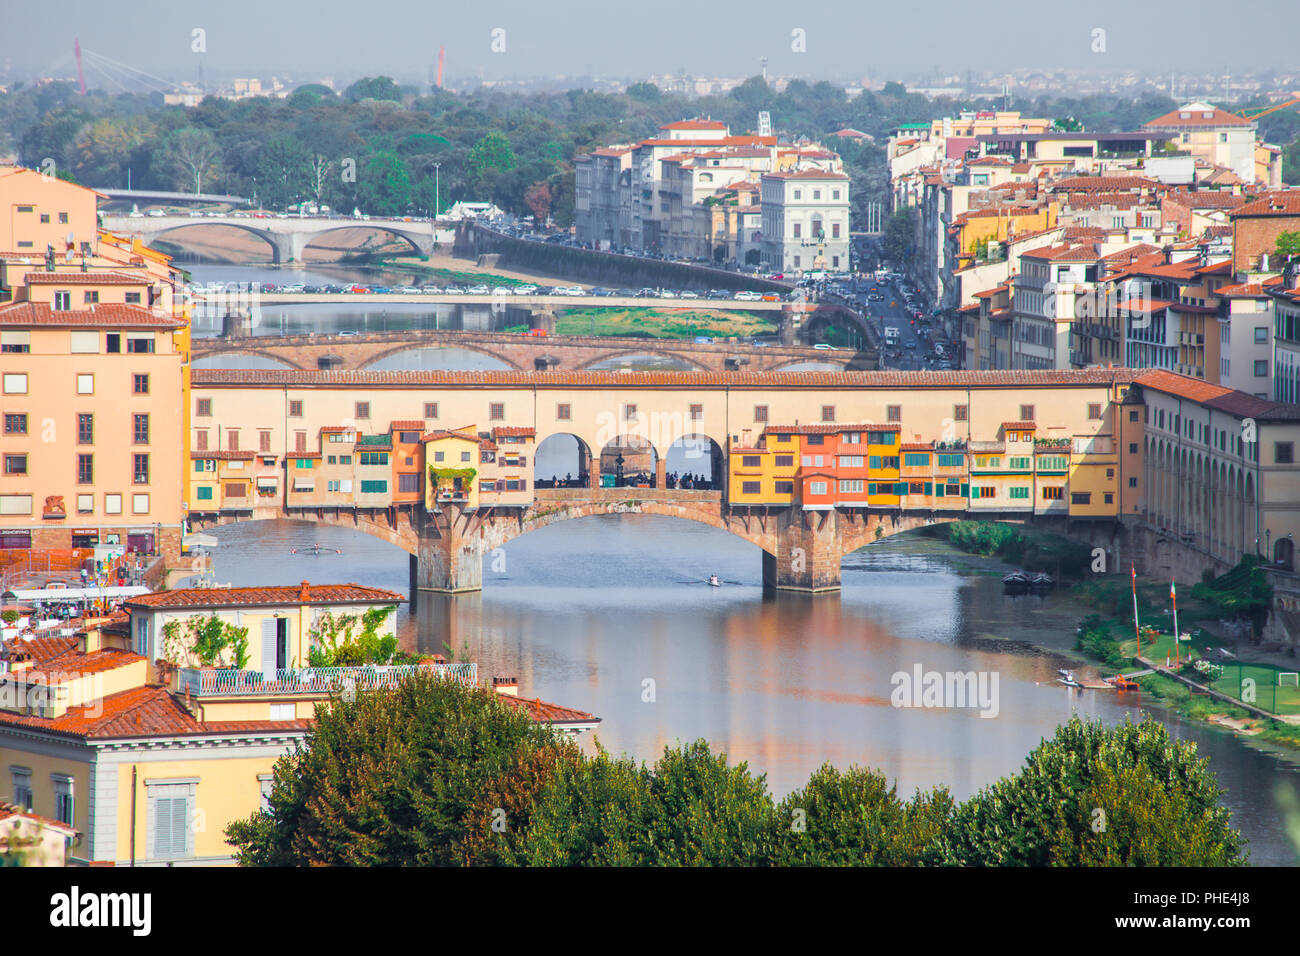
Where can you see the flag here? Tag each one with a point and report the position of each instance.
(1173, 591)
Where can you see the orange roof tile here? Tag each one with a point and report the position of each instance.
(104, 315)
(203, 598)
(85, 278)
(1282, 203)
(543, 712)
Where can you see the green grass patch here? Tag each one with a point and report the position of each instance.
(663, 323)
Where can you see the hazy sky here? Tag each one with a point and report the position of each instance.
(615, 38)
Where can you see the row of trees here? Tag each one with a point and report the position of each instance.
(435, 773)
(388, 148)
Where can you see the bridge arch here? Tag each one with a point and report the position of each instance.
(555, 462)
(684, 363)
(218, 359)
(265, 235)
(420, 347)
(314, 238)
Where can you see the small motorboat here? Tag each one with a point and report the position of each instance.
(1016, 580)
(1067, 678)
(1042, 580)
(714, 582)
(1122, 683)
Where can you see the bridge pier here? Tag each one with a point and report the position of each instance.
(449, 558)
(807, 553)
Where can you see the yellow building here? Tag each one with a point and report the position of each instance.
(122, 733)
(453, 462)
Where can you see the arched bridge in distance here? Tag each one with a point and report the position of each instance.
(287, 237)
(522, 352)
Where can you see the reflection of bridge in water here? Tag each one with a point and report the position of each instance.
(514, 351)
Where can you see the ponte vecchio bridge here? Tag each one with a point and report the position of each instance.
(291, 411)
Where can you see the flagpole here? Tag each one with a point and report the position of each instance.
(1136, 630)
(1173, 596)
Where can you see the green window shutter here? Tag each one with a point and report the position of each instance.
(929, 487)
(965, 491)
(900, 488)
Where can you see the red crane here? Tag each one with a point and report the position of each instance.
(442, 55)
(76, 47)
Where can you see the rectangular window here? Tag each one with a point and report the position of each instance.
(497, 411)
(816, 439)
(263, 441)
(139, 344)
(430, 409)
(170, 810)
(204, 493)
(749, 487)
(300, 441)
(1053, 493)
(140, 384)
(785, 461)
(1018, 462)
(16, 423)
(1133, 415)
(817, 487)
(1132, 482)
(203, 408)
(85, 429)
(362, 410)
(140, 469)
(629, 413)
(113, 504)
(1026, 413)
(760, 413)
(15, 342)
(85, 504)
(851, 485)
(132, 298)
(232, 439)
(90, 297)
(1261, 335)
(1261, 368)
(1081, 497)
(15, 464)
(564, 412)
(1284, 453)
(784, 487)
(374, 487)
(22, 778)
(140, 429)
(201, 439)
(750, 461)
(140, 503)
(15, 383)
(697, 412)
(1019, 492)
(408, 483)
(916, 459)
(62, 301)
(893, 413)
(828, 413)
(85, 469)
(64, 803)
(1094, 411)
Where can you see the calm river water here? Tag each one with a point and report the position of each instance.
(585, 612)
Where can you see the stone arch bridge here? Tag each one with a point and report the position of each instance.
(801, 549)
(287, 237)
(520, 352)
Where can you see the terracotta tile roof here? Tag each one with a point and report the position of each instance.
(1282, 203)
(203, 598)
(76, 663)
(405, 424)
(11, 811)
(38, 649)
(467, 434)
(543, 712)
(215, 455)
(104, 315)
(513, 431)
(276, 378)
(1102, 183)
(1183, 386)
(139, 712)
(1196, 116)
(917, 446)
(1066, 252)
(85, 278)
(1205, 198)
(1019, 426)
(1250, 290)
(825, 428)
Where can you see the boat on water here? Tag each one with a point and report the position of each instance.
(1042, 580)
(1016, 580)
(1068, 679)
(316, 550)
(714, 582)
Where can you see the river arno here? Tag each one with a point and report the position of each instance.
(586, 612)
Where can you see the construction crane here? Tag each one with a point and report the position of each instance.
(76, 48)
(1258, 112)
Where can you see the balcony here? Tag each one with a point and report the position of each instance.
(229, 682)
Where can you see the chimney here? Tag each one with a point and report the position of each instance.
(506, 685)
(304, 594)
(91, 639)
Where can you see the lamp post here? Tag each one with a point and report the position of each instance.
(437, 167)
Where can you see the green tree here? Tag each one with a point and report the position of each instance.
(1088, 795)
(385, 185)
(283, 172)
(373, 88)
(645, 93)
(491, 152)
(854, 818)
(1288, 245)
(900, 233)
(393, 778)
(191, 156)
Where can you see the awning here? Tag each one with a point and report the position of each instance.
(199, 541)
(266, 482)
(304, 486)
(78, 594)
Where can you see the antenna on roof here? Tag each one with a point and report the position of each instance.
(764, 123)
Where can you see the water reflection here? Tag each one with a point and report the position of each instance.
(585, 612)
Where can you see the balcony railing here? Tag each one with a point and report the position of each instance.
(230, 682)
